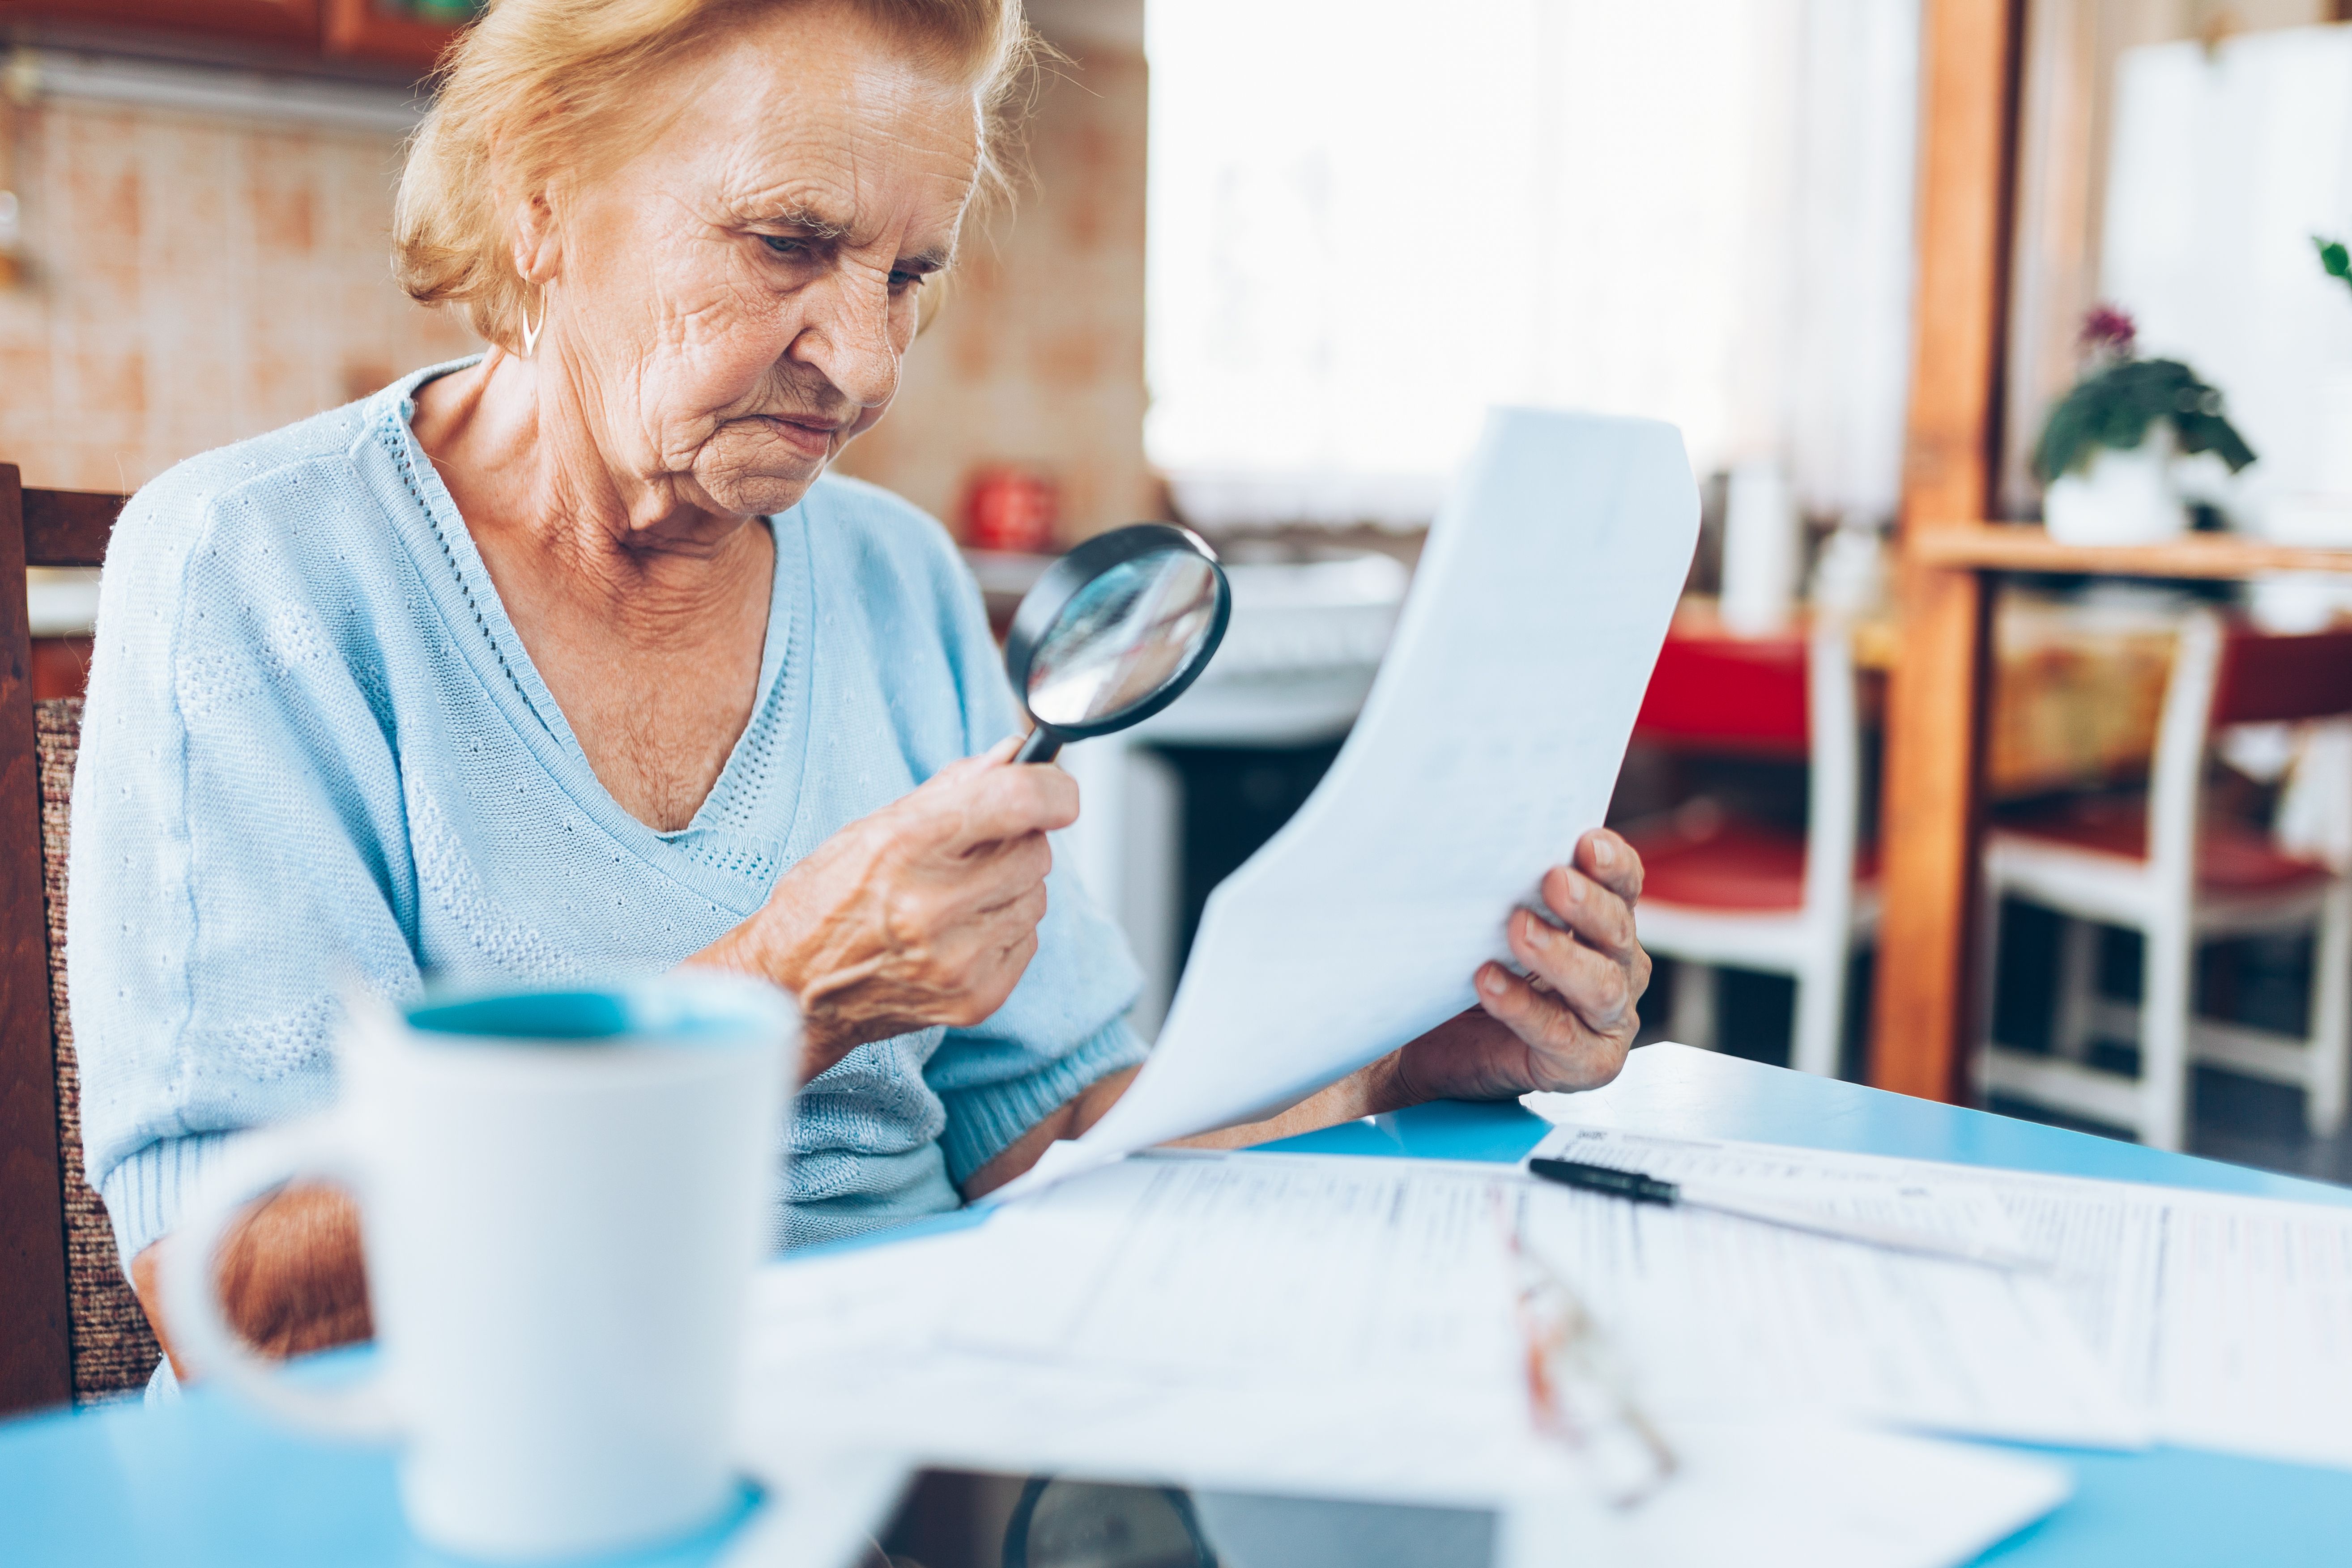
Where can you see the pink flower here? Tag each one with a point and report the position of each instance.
(2108, 329)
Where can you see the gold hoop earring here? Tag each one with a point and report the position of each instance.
(530, 329)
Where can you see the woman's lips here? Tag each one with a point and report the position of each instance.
(811, 437)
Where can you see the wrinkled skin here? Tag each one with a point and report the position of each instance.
(942, 894)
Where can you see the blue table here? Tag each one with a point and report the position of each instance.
(203, 1482)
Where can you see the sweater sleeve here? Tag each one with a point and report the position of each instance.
(237, 854)
(1063, 1027)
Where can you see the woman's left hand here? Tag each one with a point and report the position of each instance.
(1567, 1023)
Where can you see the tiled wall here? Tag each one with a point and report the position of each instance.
(192, 281)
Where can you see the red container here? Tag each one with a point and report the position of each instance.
(1009, 509)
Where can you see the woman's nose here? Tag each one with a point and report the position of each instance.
(848, 338)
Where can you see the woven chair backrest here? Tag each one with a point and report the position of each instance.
(114, 1350)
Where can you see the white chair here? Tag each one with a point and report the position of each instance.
(2153, 866)
(1749, 896)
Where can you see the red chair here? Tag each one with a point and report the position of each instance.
(1753, 895)
(2151, 864)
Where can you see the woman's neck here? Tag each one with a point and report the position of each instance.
(516, 442)
(645, 617)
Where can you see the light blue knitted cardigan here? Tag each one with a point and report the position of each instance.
(316, 749)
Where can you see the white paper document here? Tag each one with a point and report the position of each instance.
(1246, 1267)
(2227, 1320)
(1256, 1266)
(1350, 1337)
(1491, 740)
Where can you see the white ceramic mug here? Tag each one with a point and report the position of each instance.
(561, 1198)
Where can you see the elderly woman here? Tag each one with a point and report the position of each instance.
(570, 659)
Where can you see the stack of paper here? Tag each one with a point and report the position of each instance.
(2226, 1322)
(1343, 1328)
(1270, 1265)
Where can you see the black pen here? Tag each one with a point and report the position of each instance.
(1639, 1188)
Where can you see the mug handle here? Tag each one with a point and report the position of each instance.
(266, 1160)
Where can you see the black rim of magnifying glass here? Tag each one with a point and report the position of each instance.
(1043, 605)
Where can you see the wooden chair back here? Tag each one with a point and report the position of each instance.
(68, 1324)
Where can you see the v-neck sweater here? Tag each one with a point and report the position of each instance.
(315, 747)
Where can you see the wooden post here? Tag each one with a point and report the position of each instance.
(1923, 1025)
(35, 1347)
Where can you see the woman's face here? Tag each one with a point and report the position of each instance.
(731, 304)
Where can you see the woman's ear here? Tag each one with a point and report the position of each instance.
(538, 252)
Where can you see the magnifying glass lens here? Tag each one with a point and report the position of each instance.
(1113, 632)
(1123, 638)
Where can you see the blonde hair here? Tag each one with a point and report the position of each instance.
(540, 88)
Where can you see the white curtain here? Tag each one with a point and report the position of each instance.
(1370, 220)
(2226, 163)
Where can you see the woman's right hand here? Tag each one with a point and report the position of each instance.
(289, 1273)
(924, 913)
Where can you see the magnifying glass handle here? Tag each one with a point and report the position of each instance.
(1043, 746)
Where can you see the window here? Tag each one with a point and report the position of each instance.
(1369, 222)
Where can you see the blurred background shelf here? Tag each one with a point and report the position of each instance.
(2019, 547)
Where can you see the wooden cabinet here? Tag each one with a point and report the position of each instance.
(292, 24)
(283, 32)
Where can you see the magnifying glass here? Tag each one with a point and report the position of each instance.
(1114, 632)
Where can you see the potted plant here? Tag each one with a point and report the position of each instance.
(2107, 454)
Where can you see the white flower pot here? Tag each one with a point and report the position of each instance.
(2126, 498)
